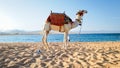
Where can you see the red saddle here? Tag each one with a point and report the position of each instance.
(58, 19)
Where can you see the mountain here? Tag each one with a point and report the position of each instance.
(37, 32)
(19, 32)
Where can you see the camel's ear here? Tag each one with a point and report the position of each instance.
(78, 12)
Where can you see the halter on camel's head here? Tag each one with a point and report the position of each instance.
(80, 14)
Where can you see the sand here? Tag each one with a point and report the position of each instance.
(77, 55)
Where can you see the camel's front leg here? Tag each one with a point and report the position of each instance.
(44, 40)
(65, 40)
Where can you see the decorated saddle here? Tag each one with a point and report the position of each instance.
(58, 19)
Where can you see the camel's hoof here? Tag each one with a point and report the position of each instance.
(38, 51)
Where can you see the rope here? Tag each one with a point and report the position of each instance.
(80, 30)
(80, 27)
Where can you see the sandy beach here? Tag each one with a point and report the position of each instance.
(77, 55)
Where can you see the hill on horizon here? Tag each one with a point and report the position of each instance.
(22, 32)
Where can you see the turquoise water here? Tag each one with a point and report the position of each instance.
(59, 38)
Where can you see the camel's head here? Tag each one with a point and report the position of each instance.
(80, 14)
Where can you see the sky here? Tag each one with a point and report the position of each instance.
(103, 15)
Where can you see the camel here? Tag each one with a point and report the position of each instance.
(65, 27)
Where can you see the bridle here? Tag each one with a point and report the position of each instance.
(81, 25)
(81, 13)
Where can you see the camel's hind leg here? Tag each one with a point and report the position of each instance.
(44, 39)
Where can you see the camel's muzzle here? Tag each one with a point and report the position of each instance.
(80, 24)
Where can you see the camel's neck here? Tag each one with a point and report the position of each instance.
(75, 24)
(77, 21)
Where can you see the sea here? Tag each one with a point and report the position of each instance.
(100, 37)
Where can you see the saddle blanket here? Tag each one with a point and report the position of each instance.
(58, 19)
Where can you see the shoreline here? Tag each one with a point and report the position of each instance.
(62, 33)
(77, 55)
(68, 42)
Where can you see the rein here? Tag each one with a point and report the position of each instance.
(80, 28)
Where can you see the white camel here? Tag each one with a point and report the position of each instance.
(64, 28)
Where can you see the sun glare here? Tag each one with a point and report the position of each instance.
(7, 23)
